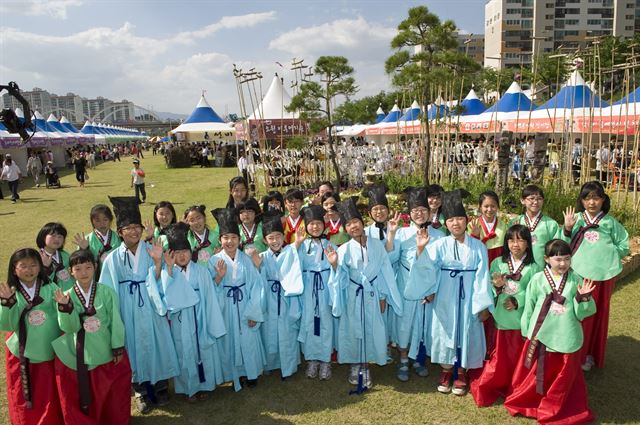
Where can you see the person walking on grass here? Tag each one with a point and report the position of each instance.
(137, 181)
(12, 174)
(34, 168)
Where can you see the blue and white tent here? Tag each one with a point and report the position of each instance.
(574, 99)
(633, 97)
(203, 123)
(513, 100)
(437, 110)
(393, 115)
(412, 114)
(472, 104)
(379, 114)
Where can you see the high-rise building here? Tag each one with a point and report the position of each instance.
(472, 45)
(69, 105)
(517, 30)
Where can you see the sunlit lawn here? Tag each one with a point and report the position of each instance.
(613, 392)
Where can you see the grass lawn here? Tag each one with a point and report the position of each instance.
(298, 400)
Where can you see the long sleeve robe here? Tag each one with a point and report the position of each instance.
(361, 280)
(196, 326)
(239, 294)
(281, 304)
(147, 335)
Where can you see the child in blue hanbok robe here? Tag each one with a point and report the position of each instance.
(239, 288)
(196, 319)
(363, 281)
(453, 275)
(280, 270)
(133, 273)
(412, 330)
(317, 325)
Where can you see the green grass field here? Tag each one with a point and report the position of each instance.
(612, 391)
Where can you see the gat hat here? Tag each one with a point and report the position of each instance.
(311, 213)
(348, 210)
(416, 197)
(177, 236)
(452, 205)
(227, 219)
(126, 210)
(377, 195)
(272, 222)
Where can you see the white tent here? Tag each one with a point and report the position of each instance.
(274, 103)
(204, 124)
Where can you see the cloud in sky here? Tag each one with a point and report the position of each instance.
(54, 8)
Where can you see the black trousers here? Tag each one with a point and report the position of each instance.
(13, 187)
(140, 190)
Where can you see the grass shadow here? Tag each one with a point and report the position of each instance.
(630, 278)
(611, 389)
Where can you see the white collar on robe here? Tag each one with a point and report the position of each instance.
(134, 257)
(105, 237)
(234, 263)
(86, 295)
(54, 257)
(187, 270)
(30, 291)
(516, 263)
(556, 279)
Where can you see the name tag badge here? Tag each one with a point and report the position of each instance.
(203, 256)
(63, 275)
(592, 236)
(511, 287)
(37, 317)
(91, 324)
(557, 309)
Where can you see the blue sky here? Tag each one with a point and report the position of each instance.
(163, 53)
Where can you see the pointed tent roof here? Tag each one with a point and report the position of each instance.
(575, 94)
(203, 113)
(412, 113)
(379, 114)
(513, 100)
(64, 122)
(55, 124)
(393, 115)
(437, 110)
(274, 103)
(88, 128)
(633, 97)
(472, 104)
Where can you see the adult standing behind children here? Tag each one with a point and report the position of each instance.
(34, 168)
(12, 174)
(137, 181)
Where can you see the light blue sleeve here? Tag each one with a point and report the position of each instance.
(389, 289)
(425, 274)
(291, 272)
(482, 288)
(153, 291)
(178, 293)
(213, 320)
(255, 282)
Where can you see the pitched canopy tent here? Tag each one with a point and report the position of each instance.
(204, 124)
(380, 114)
(472, 105)
(271, 120)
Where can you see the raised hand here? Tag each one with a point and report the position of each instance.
(221, 268)
(61, 297)
(256, 258)
(475, 227)
(6, 291)
(148, 230)
(510, 304)
(46, 260)
(422, 238)
(80, 240)
(169, 260)
(332, 256)
(569, 218)
(301, 234)
(156, 251)
(498, 280)
(586, 287)
(393, 223)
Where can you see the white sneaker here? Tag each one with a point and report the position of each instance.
(366, 378)
(325, 371)
(312, 369)
(353, 374)
(589, 363)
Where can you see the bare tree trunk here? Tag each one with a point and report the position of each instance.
(504, 147)
(332, 151)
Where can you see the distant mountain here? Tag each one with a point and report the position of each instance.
(170, 116)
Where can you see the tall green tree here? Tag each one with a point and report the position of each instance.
(364, 110)
(426, 60)
(315, 98)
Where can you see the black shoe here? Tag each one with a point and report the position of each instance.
(162, 397)
(252, 383)
(143, 404)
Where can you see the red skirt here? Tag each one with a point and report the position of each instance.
(494, 253)
(564, 401)
(110, 394)
(45, 408)
(495, 381)
(489, 324)
(596, 327)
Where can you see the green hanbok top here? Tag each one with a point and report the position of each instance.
(598, 255)
(561, 330)
(41, 322)
(252, 236)
(98, 248)
(103, 327)
(163, 238)
(543, 229)
(58, 271)
(518, 278)
(335, 233)
(203, 246)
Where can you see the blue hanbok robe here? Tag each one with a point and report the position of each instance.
(317, 325)
(147, 335)
(363, 277)
(282, 309)
(389, 315)
(458, 275)
(239, 295)
(196, 326)
(414, 315)
(414, 327)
